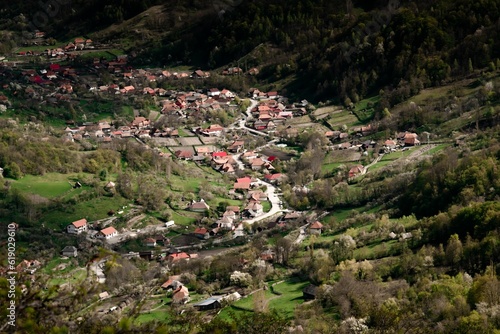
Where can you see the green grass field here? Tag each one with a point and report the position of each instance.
(160, 314)
(50, 185)
(183, 217)
(93, 209)
(287, 296)
(338, 119)
(390, 158)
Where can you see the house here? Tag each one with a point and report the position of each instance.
(254, 208)
(241, 185)
(69, 251)
(211, 303)
(28, 266)
(315, 228)
(356, 170)
(184, 154)
(140, 122)
(233, 208)
(226, 222)
(257, 195)
(229, 214)
(110, 185)
(213, 130)
(213, 92)
(249, 155)
(200, 74)
(273, 178)
(310, 292)
(236, 146)
(180, 295)
(232, 297)
(292, 215)
(201, 233)
(227, 94)
(150, 242)
(272, 95)
(267, 255)
(174, 257)
(172, 283)
(390, 144)
(411, 141)
(107, 233)
(257, 164)
(253, 71)
(200, 206)
(77, 226)
(104, 295)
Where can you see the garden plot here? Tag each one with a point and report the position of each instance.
(189, 141)
(165, 141)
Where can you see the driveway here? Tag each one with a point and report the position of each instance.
(273, 198)
(98, 269)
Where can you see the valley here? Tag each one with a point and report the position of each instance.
(222, 167)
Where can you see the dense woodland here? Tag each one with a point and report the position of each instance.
(343, 50)
(443, 280)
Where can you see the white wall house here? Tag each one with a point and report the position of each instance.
(107, 233)
(77, 227)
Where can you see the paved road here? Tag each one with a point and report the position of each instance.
(98, 268)
(248, 114)
(273, 198)
(126, 234)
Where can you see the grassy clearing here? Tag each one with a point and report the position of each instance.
(49, 267)
(367, 103)
(74, 278)
(160, 314)
(437, 149)
(374, 250)
(266, 206)
(330, 166)
(183, 217)
(459, 89)
(49, 185)
(390, 158)
(338, 119)
(93, 209)
(287, 296)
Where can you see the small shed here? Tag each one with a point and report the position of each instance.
(310, 292)
(70, 251)
(211, 303)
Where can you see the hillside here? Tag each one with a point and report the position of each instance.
(250, 167)
(340, 50)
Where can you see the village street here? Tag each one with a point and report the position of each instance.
(272, 195)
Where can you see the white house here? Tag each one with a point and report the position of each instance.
(108, 232)
(213, 92)
(315, 228)
(77, 227)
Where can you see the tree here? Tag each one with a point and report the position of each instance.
(12, 170)
(284, 249)
(343, 248)
(260, 302)
(454, 251)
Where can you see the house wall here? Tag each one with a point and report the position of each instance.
(73, 230)
(315, 231)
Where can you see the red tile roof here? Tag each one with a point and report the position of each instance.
(79, 223)
(316, 226)
(109, 230)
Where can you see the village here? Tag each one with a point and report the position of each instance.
(209, 127)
